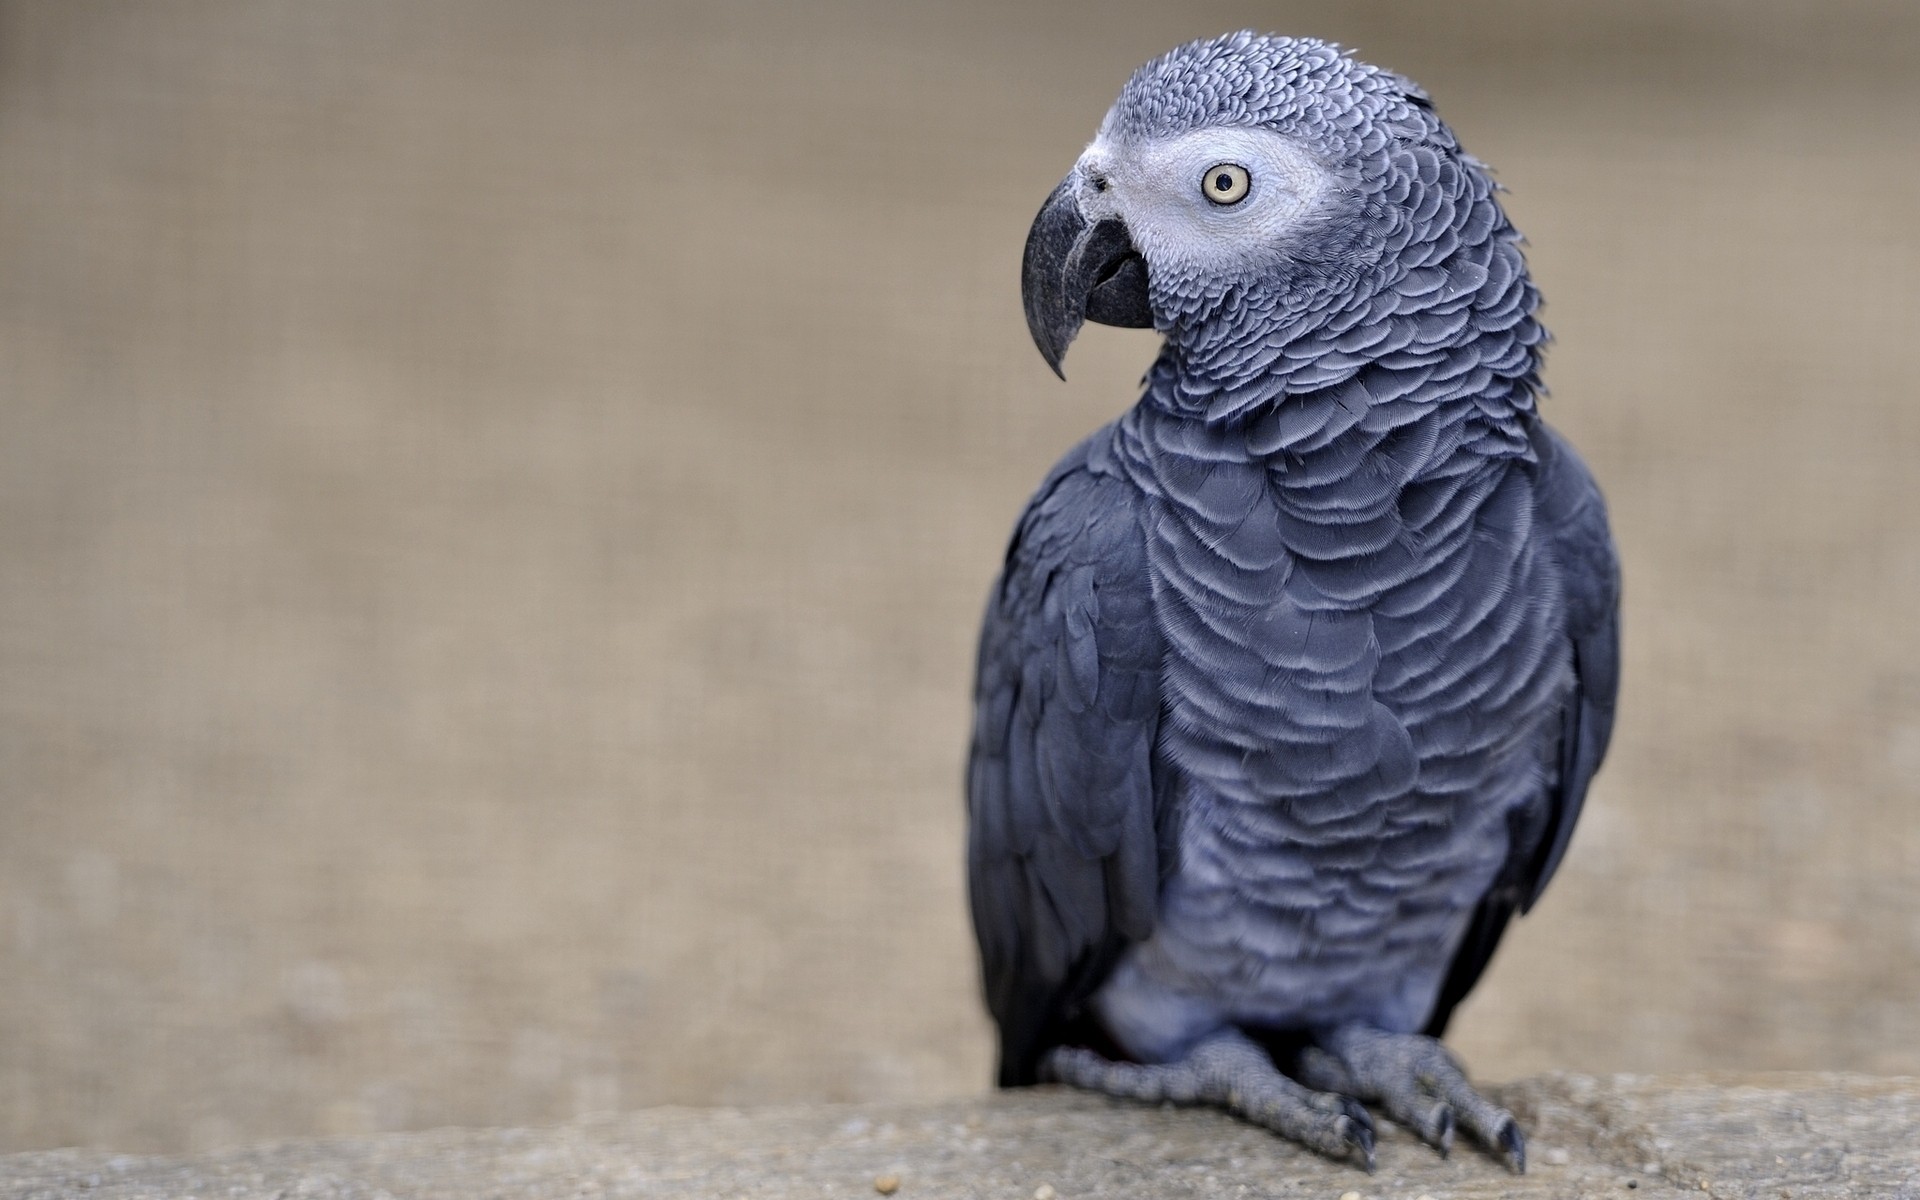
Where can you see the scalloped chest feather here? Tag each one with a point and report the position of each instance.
(1362, 638)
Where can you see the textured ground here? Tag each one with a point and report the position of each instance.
(494, 501)
(1792, 1137)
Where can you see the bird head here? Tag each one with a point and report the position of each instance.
(1238, 181)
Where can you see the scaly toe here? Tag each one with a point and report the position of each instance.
(1488, 1124)
(1228, 1071)
(1513, 1144)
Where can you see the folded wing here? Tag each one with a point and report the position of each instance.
(1063, 846)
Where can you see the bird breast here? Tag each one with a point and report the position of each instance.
(1360, 652)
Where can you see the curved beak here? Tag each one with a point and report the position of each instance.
(1077, 270)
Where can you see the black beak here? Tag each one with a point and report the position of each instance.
(1075, 271)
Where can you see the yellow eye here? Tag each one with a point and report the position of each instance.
(1226, 183)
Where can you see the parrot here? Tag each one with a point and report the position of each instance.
(1295, 676)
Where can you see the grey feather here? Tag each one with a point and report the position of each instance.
(1297, 675)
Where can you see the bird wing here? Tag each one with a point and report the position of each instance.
(1572, 517)
(1063, 844)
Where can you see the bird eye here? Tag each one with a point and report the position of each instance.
(1226, 183)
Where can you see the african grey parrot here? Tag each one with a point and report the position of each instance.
(1295, 675)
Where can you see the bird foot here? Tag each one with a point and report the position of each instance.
(1228, 1071)
(1417, 1082)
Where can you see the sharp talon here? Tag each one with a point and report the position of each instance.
(1515, 1144)
(1442, 1139)
(1357, 1113)
(1360, 1137)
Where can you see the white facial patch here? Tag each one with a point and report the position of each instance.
(1160, 188)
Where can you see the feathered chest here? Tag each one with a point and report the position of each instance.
(1346, 621)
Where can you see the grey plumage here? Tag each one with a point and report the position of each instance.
(1296, 675)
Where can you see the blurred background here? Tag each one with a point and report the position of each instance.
(495, 500)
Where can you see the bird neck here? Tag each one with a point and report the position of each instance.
(1294, 367)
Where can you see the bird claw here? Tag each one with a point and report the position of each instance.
(1359, 1136)
(1419, 1085)
(1229, 1071)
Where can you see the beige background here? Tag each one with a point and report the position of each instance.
(494, 501)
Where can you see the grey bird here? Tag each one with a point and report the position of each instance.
(1296, 675)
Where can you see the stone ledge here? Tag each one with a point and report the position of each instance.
(1771, 1136)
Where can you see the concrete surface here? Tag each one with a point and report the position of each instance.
(1766, 1137)
(495, 499)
